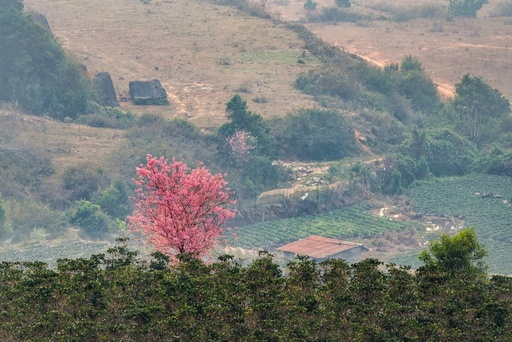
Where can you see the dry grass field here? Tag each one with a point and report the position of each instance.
(68, 144)
(447, 49)
(201, 52)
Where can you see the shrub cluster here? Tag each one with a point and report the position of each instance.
(465, 8)
(407, 79)
(478, 112)
(314, 135)
(108, 117)
(436, 152)
(35, 73)
(503, 9)
(403, 90)
(337, 14)
(255, 8)
(410, 12)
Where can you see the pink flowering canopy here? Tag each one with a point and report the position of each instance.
(241, 144)
(179, 210)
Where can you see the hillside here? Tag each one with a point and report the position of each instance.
(201, 52)
(447, 49)
(204, 52)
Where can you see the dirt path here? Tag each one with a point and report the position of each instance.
(447, 49)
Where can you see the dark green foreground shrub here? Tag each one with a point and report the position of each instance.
(117, 296)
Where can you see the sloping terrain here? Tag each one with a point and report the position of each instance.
(67, 144)
(447, 49)
(201, 52)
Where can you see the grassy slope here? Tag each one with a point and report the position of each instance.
(67, 144)
(202, 53)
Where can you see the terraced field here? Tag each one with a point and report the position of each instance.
(51, 252)
(346, 223)
(483, 201)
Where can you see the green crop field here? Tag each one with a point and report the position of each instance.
(483, 201)
(349, 222)
(50, 253)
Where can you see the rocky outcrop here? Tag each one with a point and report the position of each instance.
(104, 90)
(148, 93)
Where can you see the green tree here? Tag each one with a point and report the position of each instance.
(35, 73)
(302, 284)
(460, 253)
(115, 200)
(478, 108)
(437, 152)
(465, 8)
(264, 282)
(453, 288)
(449, 154)
(256, 173)
(310, 5)
(241, 119)
(410, 63)
(417, 86)
(93, 221)
(342, 3)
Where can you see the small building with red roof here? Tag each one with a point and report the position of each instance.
(321, 248)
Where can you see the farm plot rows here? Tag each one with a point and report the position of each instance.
(49, 254)
(483, 201)
(344, 223)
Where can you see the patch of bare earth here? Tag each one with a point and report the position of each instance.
(201, 52)
(447, 49)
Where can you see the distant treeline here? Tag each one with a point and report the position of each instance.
(117, 296)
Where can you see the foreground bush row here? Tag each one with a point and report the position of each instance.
(118, 296)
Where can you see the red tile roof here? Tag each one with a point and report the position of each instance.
(319, 247)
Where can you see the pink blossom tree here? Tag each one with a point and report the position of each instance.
(180, 211)
(241, 143)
